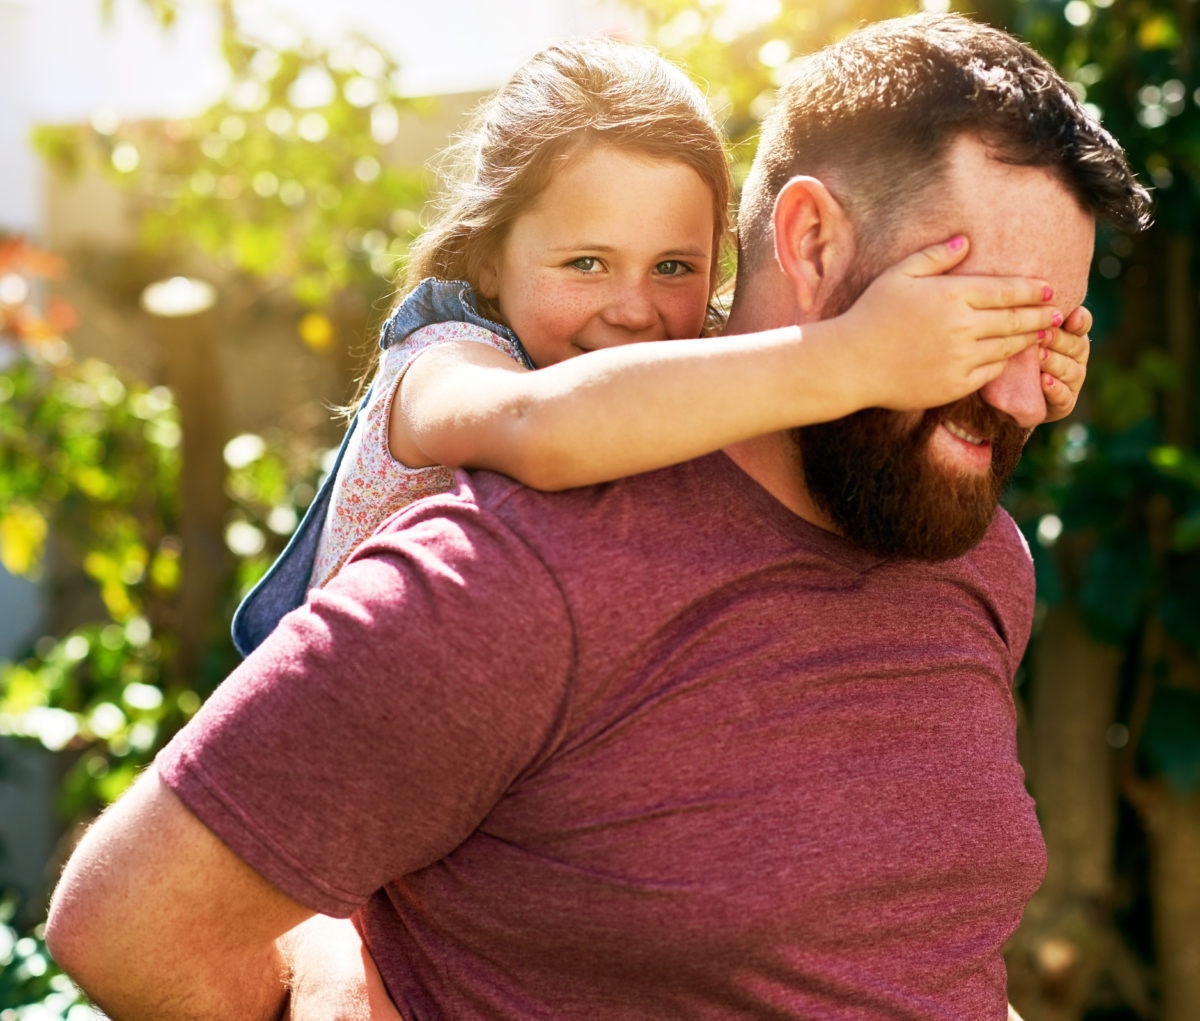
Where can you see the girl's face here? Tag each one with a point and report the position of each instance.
(618, 248)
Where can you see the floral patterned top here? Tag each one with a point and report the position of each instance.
(371, 485)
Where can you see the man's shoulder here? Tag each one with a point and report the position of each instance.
(570, 523)
(491, 515)
(638, 497)
(1002, 565)
(1002, 560)
(682, 512)
(1005, 543)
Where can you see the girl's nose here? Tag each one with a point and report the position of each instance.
(630, 306)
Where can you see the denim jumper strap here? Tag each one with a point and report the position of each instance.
(285, 585)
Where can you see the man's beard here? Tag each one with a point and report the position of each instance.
(873, 475)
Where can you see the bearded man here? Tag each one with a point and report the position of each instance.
(735, 739)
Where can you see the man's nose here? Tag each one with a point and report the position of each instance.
(1017, 391)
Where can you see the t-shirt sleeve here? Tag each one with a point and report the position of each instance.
(380, 723)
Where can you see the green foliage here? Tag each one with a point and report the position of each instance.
(1170, 737)
(268, 494)
(1130, 497)
(286, 179)
(742, 51)
(81, 441)
(1128, 494)
(92, 458)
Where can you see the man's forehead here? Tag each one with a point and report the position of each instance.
(1020, 221)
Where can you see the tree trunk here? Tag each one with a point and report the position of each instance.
(1171, 819)
(1065, 941)
(193, 373)
(1173, 826)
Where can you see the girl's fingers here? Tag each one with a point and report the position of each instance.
(1003, 292)
(1060, 399)
(998, 350)
(1064, 365)
(1079, 321)
(936, 259)
(1068, 371)
(1012, 322)
(1071, 345)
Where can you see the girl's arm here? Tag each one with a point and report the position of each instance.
(917, 338)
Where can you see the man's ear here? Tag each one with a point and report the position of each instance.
(814, 240)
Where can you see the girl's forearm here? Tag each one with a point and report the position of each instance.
(639, 407)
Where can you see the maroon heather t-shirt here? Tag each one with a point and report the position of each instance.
(655, 749)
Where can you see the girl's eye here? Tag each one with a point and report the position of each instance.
(585, 264)
(672, 268)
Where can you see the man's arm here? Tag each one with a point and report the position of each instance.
(155, 918)
(296, 761)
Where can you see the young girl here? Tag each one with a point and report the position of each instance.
(592, 215)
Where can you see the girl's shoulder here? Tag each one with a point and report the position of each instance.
(434, 334)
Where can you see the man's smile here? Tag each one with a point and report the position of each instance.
(962, 434)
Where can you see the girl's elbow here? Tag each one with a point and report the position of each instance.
(530, 453)
(545, 472)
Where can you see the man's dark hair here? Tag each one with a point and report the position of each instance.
(874, 115)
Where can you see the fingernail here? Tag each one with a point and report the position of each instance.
(1045, 353)
(1050, 382)
(1047, 293)
(956, 242)
(1042, 336)
(1057, 319)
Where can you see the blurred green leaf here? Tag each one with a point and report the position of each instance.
(1185, 538)
(1169, 742)
(1115, 587)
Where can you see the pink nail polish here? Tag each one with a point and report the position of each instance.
(956, 242)
(1057, 319)
(1047, 293)
(1045, 353)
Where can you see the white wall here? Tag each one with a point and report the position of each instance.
(18, 194)
(60, 62)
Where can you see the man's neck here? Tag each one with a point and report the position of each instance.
(771, 462)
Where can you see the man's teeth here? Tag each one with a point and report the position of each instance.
(962, 434)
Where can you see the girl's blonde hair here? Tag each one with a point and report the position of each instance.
(567, 98)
